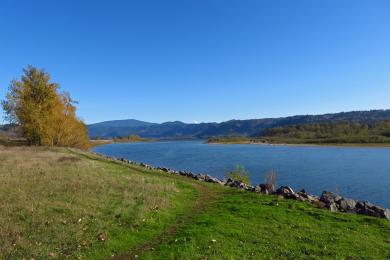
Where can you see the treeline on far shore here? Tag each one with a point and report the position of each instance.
(326, 133)
(121, 139)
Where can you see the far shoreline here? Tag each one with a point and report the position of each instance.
(204, 141)
(352, 145)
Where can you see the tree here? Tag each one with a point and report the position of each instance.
(46, 116)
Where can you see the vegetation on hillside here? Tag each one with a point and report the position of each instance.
(231, 139)
(251, 127)
(343, 132)
(130, 139)
(46, 116)
(329, 133)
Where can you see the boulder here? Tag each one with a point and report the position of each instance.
(190, 174)
(303, 196)
(186, 174)
(333, 207)
(347, 205)
(313, 198)
(250, 188)
(208, 178)
(236, 184)
(257, 189)
(330, 197)
(200, 177)
(164, 169)
(366, 208)
(230, 182)
(265, 188)
(286, 192)
(387, 214)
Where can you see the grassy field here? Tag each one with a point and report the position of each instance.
(54, 203)
(242, 225)
(61, 204)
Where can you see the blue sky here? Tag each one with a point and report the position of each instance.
(203, 60)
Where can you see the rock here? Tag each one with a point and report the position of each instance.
(200, 177)
(184, 173)
(229, 182)
(333, 207)
(303, 196)
(329, 197)
(250, 188)
(257, 189)
(237, 184)
(313, 198)
(265, 188)
(366, 208)
(242, 185)
(387, 214)
(208, 178)
(347, 205)
(286, 192)
(319, 204)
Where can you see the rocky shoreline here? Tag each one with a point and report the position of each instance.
(327, 200)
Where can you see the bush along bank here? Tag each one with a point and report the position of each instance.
(327, 200)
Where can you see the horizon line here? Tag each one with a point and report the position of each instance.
(234, 119)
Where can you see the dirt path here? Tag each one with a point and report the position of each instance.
(205, 197)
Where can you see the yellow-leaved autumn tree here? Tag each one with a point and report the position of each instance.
(46, 116)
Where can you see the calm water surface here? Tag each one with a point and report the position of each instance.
(359, 173)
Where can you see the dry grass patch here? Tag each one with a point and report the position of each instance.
(54, 203)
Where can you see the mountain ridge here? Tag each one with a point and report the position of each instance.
(246, 127)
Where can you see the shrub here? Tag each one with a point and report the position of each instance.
(270, 179)
(239, 174)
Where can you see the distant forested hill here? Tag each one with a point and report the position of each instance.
(251, 127)
(327, 133)
(117, 128)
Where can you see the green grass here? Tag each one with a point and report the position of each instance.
(242, 225)
(55, 203)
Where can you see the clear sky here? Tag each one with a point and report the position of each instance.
(203, 60)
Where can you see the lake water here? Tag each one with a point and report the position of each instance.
(359, 173)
